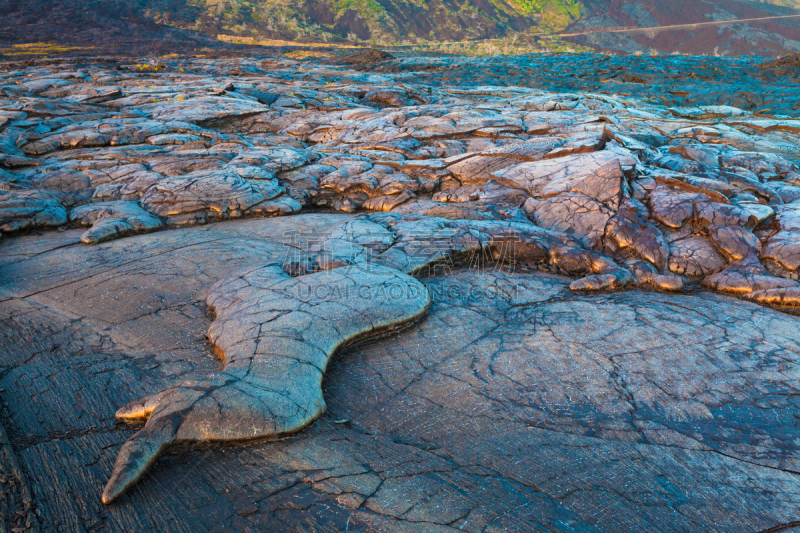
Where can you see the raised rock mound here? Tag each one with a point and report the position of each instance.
(789, 61)
(364, 57)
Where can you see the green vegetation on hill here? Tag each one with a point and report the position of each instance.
(457, 26)
(381, 21)
(556, 14)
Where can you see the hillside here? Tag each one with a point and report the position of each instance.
(378, 21)
(623, 26)
(689, 26)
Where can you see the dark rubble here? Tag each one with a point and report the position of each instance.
(580, 254)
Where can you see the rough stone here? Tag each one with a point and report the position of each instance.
(111, 220)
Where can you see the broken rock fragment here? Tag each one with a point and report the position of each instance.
(598, 175)
(478, 168)
(202, 196)
(572, 213)
(627, 231)
(746, 275)
(21, 210)
(694, 256)
(112, 220)
(789, 296)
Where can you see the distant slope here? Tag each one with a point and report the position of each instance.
(384, 20)
(612, 25)
(381, 21)
(786, 3)
(102, 24)
(709, 35)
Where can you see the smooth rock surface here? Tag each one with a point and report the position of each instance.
(516, 404)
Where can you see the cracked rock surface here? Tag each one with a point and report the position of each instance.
(662, 187)
(277, 334)
(514, 404)
(583, 279)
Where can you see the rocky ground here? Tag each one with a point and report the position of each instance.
(547, 293)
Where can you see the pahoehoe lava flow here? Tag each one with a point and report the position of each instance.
(595, 261)
(276, 338)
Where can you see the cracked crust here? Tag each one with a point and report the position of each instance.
(275, 335)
